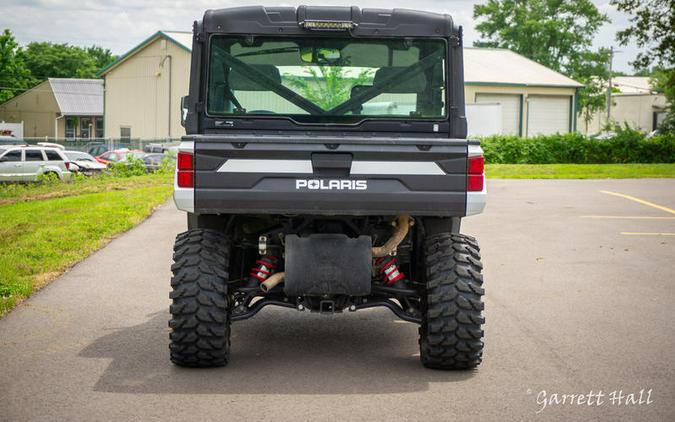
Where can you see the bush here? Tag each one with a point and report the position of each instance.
(626, 146)
(132, 166)
(168, 165)
(48, 178)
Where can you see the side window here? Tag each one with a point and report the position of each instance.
(125, 132)
(99, 127)
(34, 155)
(71, 124)
(53, 155)
(14, 155)
(85, 127)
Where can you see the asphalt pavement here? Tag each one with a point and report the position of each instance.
(580, 282)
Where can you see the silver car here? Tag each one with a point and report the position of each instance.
(28, 163)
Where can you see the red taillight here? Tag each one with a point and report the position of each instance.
(476, 164)
(185, 165)
(185, 161)
(476, 176)
(475, 183)
(67, 163)
(186, 179)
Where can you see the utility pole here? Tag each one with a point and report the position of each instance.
(609, 85)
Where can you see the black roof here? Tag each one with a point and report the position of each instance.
(367, 22)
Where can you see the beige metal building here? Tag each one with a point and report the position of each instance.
(144, 86)
(143, 90)
(635, 103)
(58, 108)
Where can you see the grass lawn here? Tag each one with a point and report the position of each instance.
(17, 192)
(44, 231)
(578, 171)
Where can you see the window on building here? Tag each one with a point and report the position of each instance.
(99, 127)
(53, 155)
(85, 127)
(658, 118)
(34, 155)
(13, 155)
(125, 132)
(71, 124)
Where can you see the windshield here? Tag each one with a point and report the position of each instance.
(327, 80)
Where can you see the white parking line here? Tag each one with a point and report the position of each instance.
(646, 234)
(627, 217)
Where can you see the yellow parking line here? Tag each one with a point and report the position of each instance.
(641, 201)
(627, 217)
(646, 234)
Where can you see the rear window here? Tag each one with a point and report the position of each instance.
(53, 155)
(34, 155)
(13, 155)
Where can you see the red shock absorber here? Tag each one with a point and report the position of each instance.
(389, 269)
(263, 268)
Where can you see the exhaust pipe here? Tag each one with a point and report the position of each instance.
(403, 222)
(271, 282)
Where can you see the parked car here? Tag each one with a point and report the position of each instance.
(119, 155)
(98, 148)
(153, 161)
(81, 162)
(28, 163)
(160, 148)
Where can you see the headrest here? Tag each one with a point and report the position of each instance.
(239, 81)
(413, 84)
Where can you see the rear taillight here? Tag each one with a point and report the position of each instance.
(67, 163)
(186, 174)
(476, 173)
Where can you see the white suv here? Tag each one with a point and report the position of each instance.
(27, 163)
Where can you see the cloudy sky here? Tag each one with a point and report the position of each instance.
(121, 24)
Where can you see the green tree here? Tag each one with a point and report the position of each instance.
(48, 60)
(102, 56)
(555, 33)
(590, 69)
(14, 75)
(327, 86)
(653, 29)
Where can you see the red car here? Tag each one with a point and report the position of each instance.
(117, 155)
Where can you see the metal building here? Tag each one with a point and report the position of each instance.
(58, 108)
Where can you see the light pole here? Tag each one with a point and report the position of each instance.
(609, 83)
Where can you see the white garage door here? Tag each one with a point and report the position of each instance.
(510, 110)
(547, 115)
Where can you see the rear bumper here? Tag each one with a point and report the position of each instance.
(212, 201)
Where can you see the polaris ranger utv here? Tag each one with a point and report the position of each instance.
(326, 168)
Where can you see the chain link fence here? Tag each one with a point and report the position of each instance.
(94, 145)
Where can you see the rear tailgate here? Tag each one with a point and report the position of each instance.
(355, 176)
